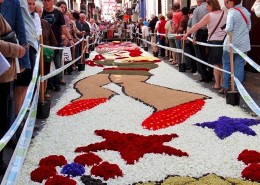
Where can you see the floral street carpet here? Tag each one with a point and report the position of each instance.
(130, 118)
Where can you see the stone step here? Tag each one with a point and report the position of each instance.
(253, 78)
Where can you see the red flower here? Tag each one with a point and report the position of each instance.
(106, 170)
(43, 172)
(252, 172)
(89, 159)
(172, 116)
(99, 57)
(79, 106)
(249, 156)
(134, 53)
(131, 146)
(53, 160)
(60, 180)
(90, 63)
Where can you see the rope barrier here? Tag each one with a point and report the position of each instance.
(9, 134)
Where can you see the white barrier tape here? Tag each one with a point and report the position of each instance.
(29, 94)
(205, 44)
(249, 101)
(57, 71)
(61, 48)
(17, 160)
(244, 56)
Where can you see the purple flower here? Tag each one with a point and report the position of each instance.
(225, 126)
(73, 170)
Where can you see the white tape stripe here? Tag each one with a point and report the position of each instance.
(249, 101)
(17, 160)
(244, 56)
(29, 94)
(57, 71)
(61, 48)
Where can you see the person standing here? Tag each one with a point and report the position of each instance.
(10, 50)
(58, 26)
(201, 36)
(214, 20)
(239, 24)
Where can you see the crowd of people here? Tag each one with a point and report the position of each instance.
(61, 27)
(207, 23)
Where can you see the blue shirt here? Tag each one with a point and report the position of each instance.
(239, 28)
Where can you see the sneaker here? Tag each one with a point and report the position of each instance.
(196, 73)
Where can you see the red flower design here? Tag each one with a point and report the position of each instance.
(53, 161)
(249, 156)
(99, 57)
(106, 170)
(80, 105)
(89, 159)
(60, 180)
(42, 173)
(134, 52)
(131, 146)
(172, 116)
(252, 172)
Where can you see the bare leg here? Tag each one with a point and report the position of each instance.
(19, 95)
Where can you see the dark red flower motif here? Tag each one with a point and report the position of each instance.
(131, 146)
(89, 159)
(99, 57)
(60, 180)
(53, 160)
(252, 172)
(42, 173)
(79, 106)
(107, 171)
(134, 53)
(249, 156)
(90, 63)
(172, 116)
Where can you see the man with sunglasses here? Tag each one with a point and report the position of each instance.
(58, 26)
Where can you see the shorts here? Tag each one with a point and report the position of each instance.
(215, 53)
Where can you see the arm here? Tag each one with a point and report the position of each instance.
(11, 50)
(230, 21)
(205, 20)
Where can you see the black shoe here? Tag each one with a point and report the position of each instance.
(57, 89)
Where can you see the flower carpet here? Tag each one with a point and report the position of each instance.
(130, 118)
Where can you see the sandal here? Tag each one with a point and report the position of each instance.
(216, 88)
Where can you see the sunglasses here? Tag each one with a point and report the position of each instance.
(31, 4)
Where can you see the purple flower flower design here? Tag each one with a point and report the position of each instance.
(225, 126)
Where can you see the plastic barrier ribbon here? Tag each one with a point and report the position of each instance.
(9, 134)
(61, 48)
(244, 56)
(205, 44)
(17, 160)
(57, 71)
(249, 101)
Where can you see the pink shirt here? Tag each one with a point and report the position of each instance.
(211, 20)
